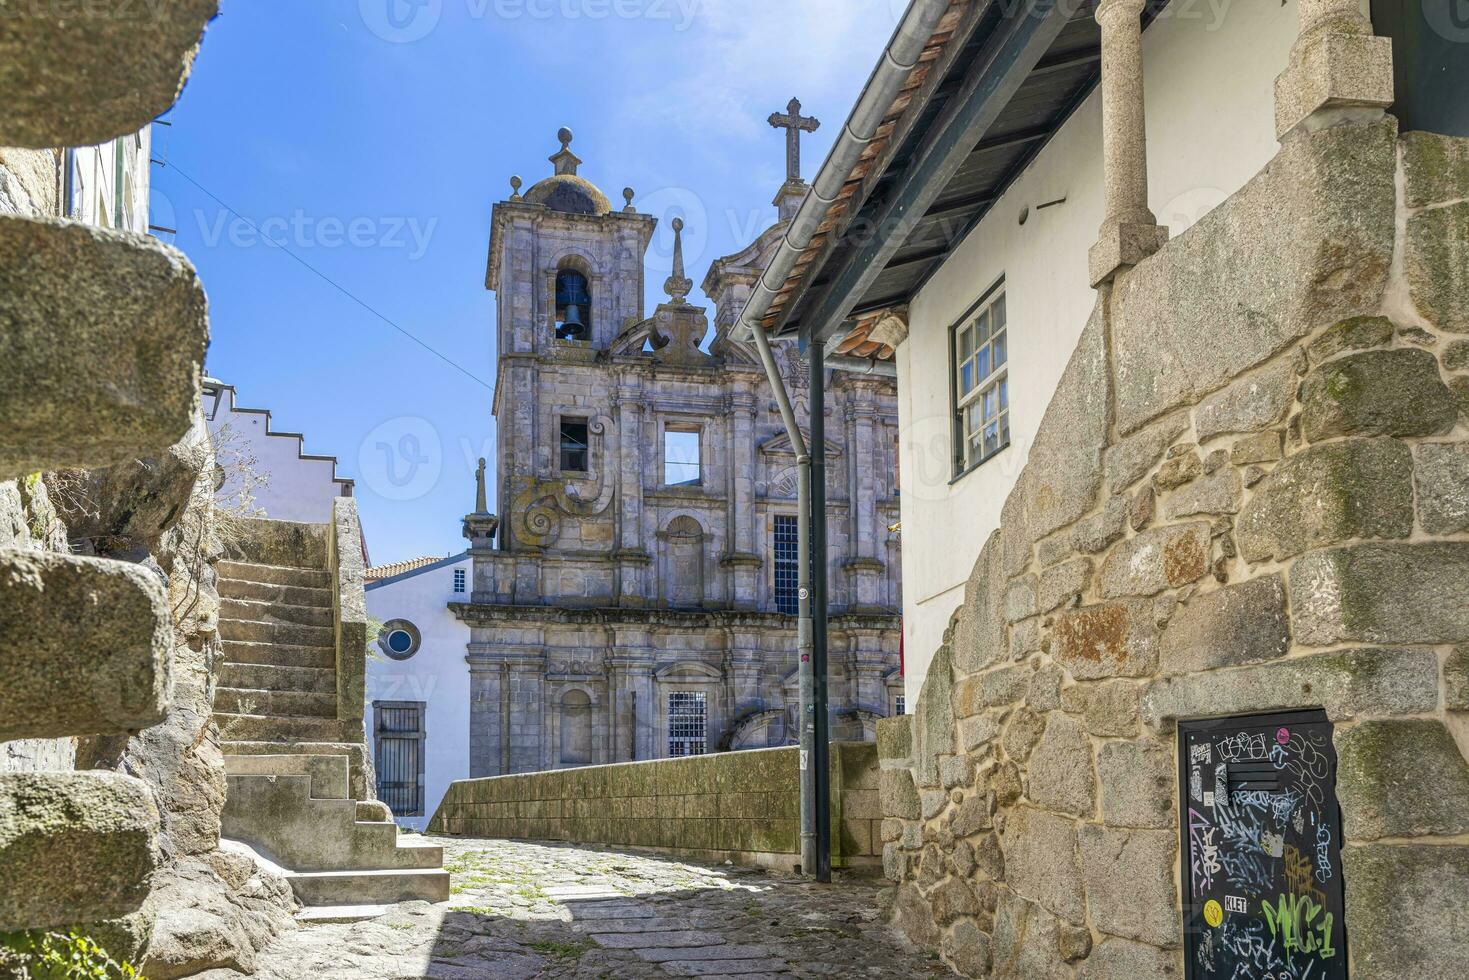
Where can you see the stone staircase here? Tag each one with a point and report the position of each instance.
(299, 783)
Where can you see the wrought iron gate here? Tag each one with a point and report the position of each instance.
(399, 738)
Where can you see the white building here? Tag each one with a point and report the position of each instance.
(1005, 249)
(108, 185)
(268, 474)
(418, 680)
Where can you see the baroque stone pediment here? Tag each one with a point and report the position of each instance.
(780, 445)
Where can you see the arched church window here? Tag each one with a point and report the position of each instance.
(573, 306)
(576, 729)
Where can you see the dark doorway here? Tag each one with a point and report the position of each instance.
(1430, 41)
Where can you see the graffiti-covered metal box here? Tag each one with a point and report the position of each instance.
(1261, 828)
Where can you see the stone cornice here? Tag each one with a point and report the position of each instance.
(481, 614)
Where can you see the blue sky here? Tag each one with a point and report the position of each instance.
(373, 137)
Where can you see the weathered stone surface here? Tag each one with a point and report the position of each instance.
(1129, 882)
(1436, 168)
(1329, 493)
(1041, 862)
(1236, 625)
(1144, 507)
(1045, 689)
(1441, 474)
(1217, 493)
(1358, 333)
(967, 950)
(1377, 393)
(1026, 944)
(952, 899)
(1062, 583)
(1064, 469)
(1130, 459)
(1405, 914)
(895, 738)
(898, 794)
(933, 718)
(1111, 709)
(973, 815)
(1456, 680)
(92, 644)
(1178, 470)
(1193, 317)
(1401, 778)
(1346, 684)
(1137, 784)
(1020, 599)
(1382, 593)
(1250, 404)
(1061, 774)
(1437, 263)
(979, 632)
(1459, 388)
(1135, 961)
(978, 731)
(74, 846)
(1162, 558)
(1001, 686)
(126, 316)
(83, 75)
(1263, 447)
(956, 770)
(1024, 731)
(913, 915)
(1099, 531)
(1115, 640)
(1456, 356)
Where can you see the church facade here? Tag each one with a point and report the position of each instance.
(635, 597)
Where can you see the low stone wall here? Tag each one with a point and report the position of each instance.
(1247, 496)
(737, 806)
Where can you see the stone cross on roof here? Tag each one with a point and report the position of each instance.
(794, 124)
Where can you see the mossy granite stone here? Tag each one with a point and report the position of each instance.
(1441, 474)
(103, 344)
(93, 646)
(1358, 333)
(1230, 627)
(1405, 911)
(1382, 593)
(1435, 168)
(1376, 393)
(75, 847)
(1401, 778)
(1438, 265)
(1330, 493)
(76, 75)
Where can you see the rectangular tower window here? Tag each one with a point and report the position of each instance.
(575, 456)
(900, 706)
(459, 577)
(787, 566)
(399, 731)
(688, 722)
(681, 455)
(981, 384)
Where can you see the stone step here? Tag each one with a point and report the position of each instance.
(239, 727)
(276, 677)
(277, 814)
(277, 704)
(280, 654)
(370, 887)
(292, 634)
(353, 752)
(268, 541)
(296, 595)
(328, 773)
(311, 578)
(251, 610)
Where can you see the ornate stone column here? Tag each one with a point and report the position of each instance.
(1130, 232)
(1336, 66)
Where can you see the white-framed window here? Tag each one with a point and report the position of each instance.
(460, 579)
(688, 723)
(981, 382)
(681, 455)
(900, 706)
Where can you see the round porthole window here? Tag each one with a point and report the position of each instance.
(399, 639)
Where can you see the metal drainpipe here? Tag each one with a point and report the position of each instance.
(803, 613)
(821, 749)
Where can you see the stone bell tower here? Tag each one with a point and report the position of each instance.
(567, 271)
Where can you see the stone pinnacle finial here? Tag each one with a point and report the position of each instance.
(627, 195)
(481, 500)
(566, 162)
(678, 285)
(515, 185)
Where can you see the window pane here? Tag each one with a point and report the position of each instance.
(982, 327)
(991, 401)
(1000, 351)
(997, 311)
(1004, 393)
(966, 343)
(680, 458)
(574, 456)
(983, 362)
(966, 378)
(787, 571)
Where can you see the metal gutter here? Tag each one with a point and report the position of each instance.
(898, 60)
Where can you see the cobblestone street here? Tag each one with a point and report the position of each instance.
(522, 910)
